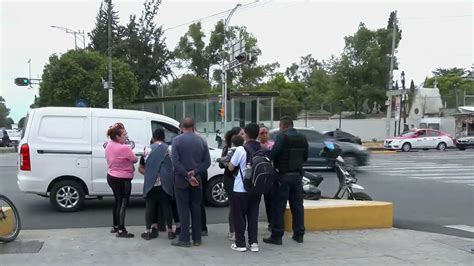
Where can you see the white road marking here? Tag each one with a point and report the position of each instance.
(462, 227)
(442, 177)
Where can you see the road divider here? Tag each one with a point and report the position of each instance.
(331, 214)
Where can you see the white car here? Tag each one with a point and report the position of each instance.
(62, 153)
(420, 139)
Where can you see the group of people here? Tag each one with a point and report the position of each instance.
(174, 179)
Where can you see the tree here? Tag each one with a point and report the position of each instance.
(189, 83)
(78, 75)
(5, 121)
(21, 123)
(140, 43)
(291, 93)
(451, 85)
(99, 35)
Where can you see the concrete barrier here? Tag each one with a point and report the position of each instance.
(6, 225)
(329, 214)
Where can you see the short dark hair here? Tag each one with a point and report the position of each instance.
(229, 134)
(286, 122)
(252, 130)
(159, 134)
(188, 122)
(237, 140)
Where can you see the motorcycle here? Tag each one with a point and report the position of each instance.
(348, 187)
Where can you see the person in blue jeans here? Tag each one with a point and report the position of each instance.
(191, 159)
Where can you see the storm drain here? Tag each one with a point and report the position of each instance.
(21, 247)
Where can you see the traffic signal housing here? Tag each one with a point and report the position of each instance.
(221, 112)
(22, 82)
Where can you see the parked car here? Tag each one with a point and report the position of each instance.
(420, 139)
(465, 142)
(343, 136)
(62, 153)
(354, 155)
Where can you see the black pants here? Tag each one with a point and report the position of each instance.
(121, 188)
(229, 190)
(158, 197)
(268, 198)
(245, 208)
(290, 189)
(188, 200)
(203, 208)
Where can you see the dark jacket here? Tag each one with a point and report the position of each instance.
(289, 152)
(189, 152)
(159, 164)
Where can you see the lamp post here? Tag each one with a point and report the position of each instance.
(224, 71)
(75, 33)
(341, 102)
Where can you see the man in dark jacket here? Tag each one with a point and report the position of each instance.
(288, 154)
(190, 156)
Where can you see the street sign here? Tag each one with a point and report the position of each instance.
(81, 103)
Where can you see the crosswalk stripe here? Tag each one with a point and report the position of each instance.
(413, 171)
(461, 227)
(440, 178)
(417, 167)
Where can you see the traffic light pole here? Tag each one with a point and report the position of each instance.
(109, 26)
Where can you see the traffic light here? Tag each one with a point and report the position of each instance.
(22, 82)
(220, 112)
(242, 57)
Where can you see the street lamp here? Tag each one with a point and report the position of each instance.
(224, 72)
(341, 102)
(75, 33)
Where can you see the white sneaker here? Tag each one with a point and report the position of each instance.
(253, 247)
(236, 248)
(231, 236)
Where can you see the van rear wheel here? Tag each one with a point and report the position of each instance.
(67, 196)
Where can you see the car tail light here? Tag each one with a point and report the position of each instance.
(25, 163)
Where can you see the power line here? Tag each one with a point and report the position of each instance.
(218, 15)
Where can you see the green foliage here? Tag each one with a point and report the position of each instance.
(451, 82)
(78, 75)
(5, 121)
(189, 84)
(21, 123)
(99, 35)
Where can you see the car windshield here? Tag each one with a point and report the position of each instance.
(408, 134)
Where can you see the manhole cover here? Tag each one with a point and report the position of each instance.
(19, 247)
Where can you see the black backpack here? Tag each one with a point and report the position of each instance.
(260, 175)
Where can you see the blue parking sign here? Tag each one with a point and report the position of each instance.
(81, 103)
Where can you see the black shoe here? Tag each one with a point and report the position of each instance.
(273, 241)
(154, 233)
(177, 231)
(124, 234)
(269, 228)
(146, 235)
(197, 243)
(204, 233)
(171, 235)
(298, 239)
(114, 229)
(178, 243)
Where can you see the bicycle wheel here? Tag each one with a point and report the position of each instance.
(10, 223)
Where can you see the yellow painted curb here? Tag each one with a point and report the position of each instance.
(6, 225)
(383, 152)
(328, 214)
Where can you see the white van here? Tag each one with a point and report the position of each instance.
(62, 153)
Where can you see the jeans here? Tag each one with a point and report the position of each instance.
(188, 200)
(121, 187)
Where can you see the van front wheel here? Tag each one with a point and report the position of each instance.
(67, 196)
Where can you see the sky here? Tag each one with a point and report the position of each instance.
(435, 33)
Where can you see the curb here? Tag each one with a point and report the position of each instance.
(331, 214)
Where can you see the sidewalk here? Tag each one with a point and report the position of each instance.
(95, 246)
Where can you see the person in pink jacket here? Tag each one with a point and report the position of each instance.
(120, 161)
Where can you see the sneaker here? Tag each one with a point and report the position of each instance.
(124, 234)
(236, 248)
(146, 235)
(197, 243)
(171, 235)
(154, 233)
(253, 247)
(204, 233)
(298, 239)
(178, 243)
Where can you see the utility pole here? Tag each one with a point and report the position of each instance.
(389, 101)
(109, 26)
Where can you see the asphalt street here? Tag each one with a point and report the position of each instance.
(431, 191)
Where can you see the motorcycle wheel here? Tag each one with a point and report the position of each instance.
(361, 196)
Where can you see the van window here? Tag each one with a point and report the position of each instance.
(61, 127)
(24, 125)
(170, 131)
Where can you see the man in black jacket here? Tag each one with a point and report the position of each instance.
(288, 154)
